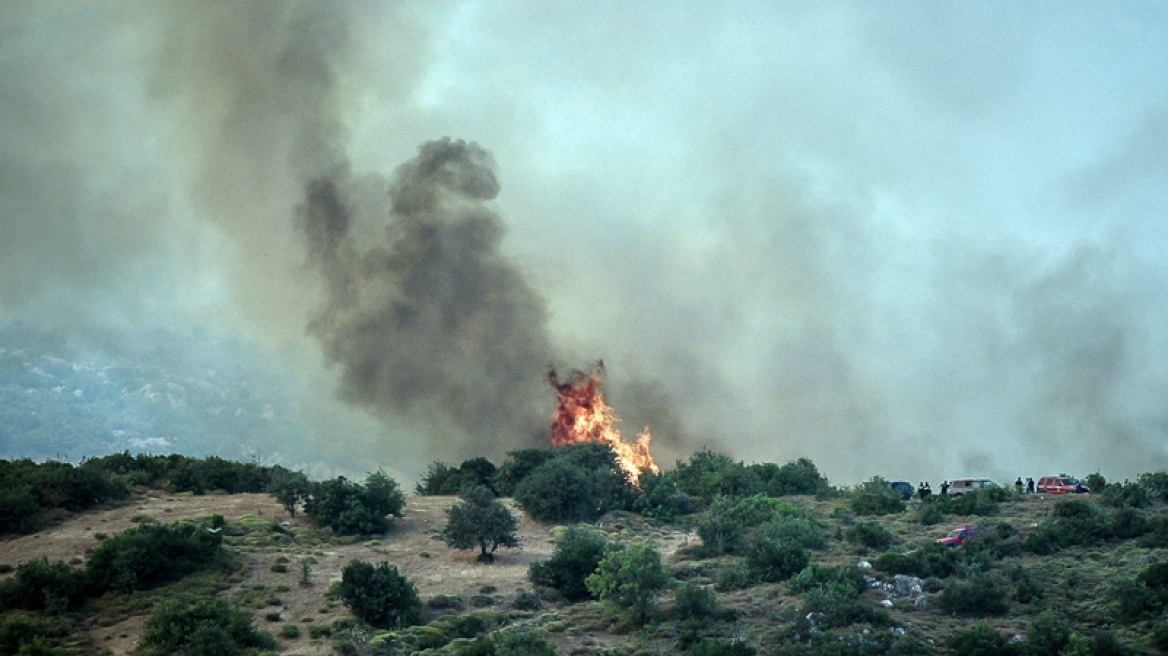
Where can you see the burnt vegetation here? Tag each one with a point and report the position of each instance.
(776, 561)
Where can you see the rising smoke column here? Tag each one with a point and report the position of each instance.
(430, 319)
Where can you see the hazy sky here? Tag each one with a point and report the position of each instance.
(917, 239)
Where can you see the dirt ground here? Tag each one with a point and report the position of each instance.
(412, 545)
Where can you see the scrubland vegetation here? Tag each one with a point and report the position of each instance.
(776, 561)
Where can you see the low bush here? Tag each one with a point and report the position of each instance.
(839, 606)
(442, 479)
(150, 555)
(870, 535)
(931, 512)
(930, 560)
(981, 640)
(979, 597)
(352, 509)
(522, 643)
(660, 499)
(578, 553)
(721, 648)
(630, 578)
(823, 576)
(44, 586)
(876, 497)
(736, 575)
(190, 625)
(290, 631)
(1048, 634)
(379, 595)
(693, 601)
(775, 560)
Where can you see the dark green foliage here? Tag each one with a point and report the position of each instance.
(708, 475)
(1096, 482)
(630, 578)
(480, 520)
(798, 529)
(800, 477)
(870, 535)
(983, 502)
(379, 595)
(190, 626)
(824, 576)
(980, 640)
(1156, 484)
(39, 585)
(1048, 634)
(775, 560)
(577, 555)
(349, 508)
(150, 555)
(978, 597)
(930, 560)
(28, 489)
(1026, 589)
(558, 491)
(838, 606)
(721, 648)
(736, 575)
(518, 465)
(581, 483)
(1105, 643)
(1128, 524)
(694, 601)
(289, 488)
(659, 498)
(876, 497)
(31, 635)
(932, 511)
(729, 521)
(1124, 495)
(522, 643)
(442, 479)
(1072, 522)
(1158, 638)
(1134, 601)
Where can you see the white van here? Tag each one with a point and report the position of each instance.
(962, 486)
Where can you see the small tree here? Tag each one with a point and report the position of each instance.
(190, 625)
(289, 488)
(630, 578)
(379, 595)
(480, 520)
(578, 553)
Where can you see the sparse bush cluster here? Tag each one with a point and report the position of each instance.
(138, 559)
(350, 508)
(442, 479)
(578, 553)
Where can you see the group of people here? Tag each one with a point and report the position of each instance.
(923, 489)
(1027, 487)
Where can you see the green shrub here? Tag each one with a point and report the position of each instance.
(518, 465)
(1158, 638)
(775, 560)
(798, 529)
(980, 640)
(39, 585)
(273, 617)
(578, 553)
(630, 579)
(480, 520)
(481, 600)
(279, 568)
(931, 513)
(189, 625)
(694, 601)
(823, 576)
(659, 498)
(876, 497)
(442, 479)
(526, 600)
(317, 632)
(721, 534)
(379, 595)
(1048, 634)
(445, 602)
(32, 635)
(708, 475)
(930, 560)
(150, 555)
(736, 575)
(522, 643)
(721, 648)
(558, 491)
(870, 535)
(290, 631)
(352, 509)
(978, 596)
(838, 606)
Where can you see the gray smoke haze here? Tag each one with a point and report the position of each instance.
(433, 318)
(921, 242)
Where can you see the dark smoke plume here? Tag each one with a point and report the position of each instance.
(430, 317)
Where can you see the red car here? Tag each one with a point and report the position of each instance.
(959, 536)
(1061, 485)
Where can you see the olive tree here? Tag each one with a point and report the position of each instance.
(480, 520)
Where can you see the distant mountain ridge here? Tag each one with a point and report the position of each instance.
(157, 392)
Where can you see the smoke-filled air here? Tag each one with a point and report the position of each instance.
(906, 240)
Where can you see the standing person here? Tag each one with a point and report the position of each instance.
(1029, 485)
(944, 488)
(926, 491)
(1018, 485)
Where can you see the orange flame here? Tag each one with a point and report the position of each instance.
(582, 416)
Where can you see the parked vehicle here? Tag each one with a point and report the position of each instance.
(962, 486)
(903, 487)
(960, 536)
(1060, 485)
